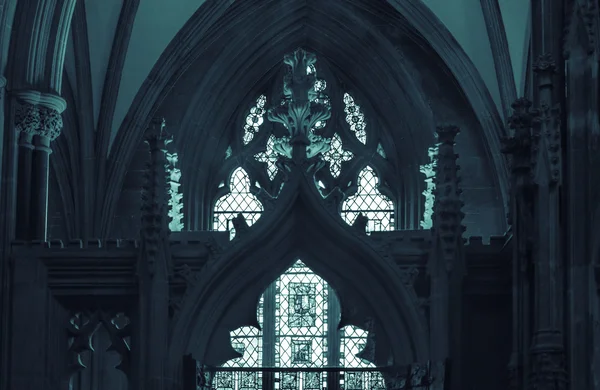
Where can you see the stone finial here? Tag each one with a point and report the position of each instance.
(447, 216)
(520, 145)
(302, 106)
(154, 229)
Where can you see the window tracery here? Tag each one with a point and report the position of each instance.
(378, 208)
(254, 119)
(238, 200)
(335, 147)
(355, 118)
(301, 303)
(336, 155)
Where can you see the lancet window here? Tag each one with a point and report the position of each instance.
(344, 143)
(304, 312)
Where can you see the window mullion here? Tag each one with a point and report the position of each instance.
(269, 341)
(333, 338)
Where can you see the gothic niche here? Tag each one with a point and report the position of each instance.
(296, 336)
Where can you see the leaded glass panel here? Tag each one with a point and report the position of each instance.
(378, 208)
(269, 156)
(355, 118)
(301, 318)
(239, 200)
(353, 342)
(336, 155)
(254, 119)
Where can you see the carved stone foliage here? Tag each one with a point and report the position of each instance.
(301, 108)
(447, 217)
(547, 126)
(155, 193)
(38, 120)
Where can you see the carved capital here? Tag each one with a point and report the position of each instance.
(27, 119)
(39, 114)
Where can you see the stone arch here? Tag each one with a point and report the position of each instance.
(183, 51)
(343, 258)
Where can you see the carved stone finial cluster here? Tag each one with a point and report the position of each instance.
(519, 146)
(447, 216)
(302, 107)
(175, 196)
(37, 120)
(155, 196)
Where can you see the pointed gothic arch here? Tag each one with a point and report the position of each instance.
(329, 246)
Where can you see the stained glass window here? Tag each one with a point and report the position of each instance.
(378, 208)
(239, 200)
(301, 318)
(254, 119)
(355, 118)
(228, 152)
(336, 155)
(301, 301)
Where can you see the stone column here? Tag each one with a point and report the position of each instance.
(38, 122)
(582, 154)
(519, 148)
(548, 361)
(151, 322)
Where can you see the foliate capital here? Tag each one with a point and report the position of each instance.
(38, 120)
(39, 113)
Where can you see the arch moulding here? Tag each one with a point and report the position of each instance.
(300, 223)
(184, 50)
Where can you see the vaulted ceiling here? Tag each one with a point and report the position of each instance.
(126, 38)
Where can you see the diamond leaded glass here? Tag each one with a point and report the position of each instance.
(254, 119)
(355, 118)
(301, 318)
(378, 208)
(239, 200)
(336, 155)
